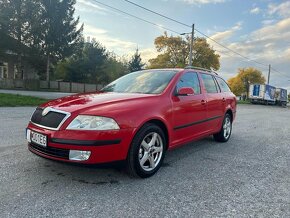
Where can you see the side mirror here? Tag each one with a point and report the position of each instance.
(184, 91)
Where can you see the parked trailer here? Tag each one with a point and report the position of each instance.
(281, 97)
(263, 94)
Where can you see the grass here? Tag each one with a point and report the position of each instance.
(11, 100)
(244, 102)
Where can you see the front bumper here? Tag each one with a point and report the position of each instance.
(105, 146)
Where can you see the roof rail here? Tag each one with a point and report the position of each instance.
(200, 68)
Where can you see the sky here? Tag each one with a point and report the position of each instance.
(259, 30)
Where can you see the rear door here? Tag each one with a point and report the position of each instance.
(230, 98)
(189, 112)
(215, 101)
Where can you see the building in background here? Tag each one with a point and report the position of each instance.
(9, 61)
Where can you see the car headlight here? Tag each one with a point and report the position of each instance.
(87, 122)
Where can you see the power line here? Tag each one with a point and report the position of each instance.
(277, 71)
(243, 56)
(154, 12)
(131, 15)
(184, 24)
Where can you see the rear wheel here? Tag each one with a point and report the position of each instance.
(225, 133)
(147, 151)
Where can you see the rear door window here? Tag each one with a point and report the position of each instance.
(209, 83)
(223, 85)
(189, 79)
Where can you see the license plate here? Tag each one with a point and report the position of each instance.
(36, 138)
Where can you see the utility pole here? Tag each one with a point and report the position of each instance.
(269, 74)
(191, 45)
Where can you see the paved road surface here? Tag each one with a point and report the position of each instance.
(248, 176)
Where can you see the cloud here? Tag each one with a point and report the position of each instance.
(117, 45)
(88, 6)
(224, 35)
(268, 22)
(282, 9)
(92, 31)
(148, 53)
(265, 42)
(203, 1)
(280, 30)
(267, 45)
(255, 10)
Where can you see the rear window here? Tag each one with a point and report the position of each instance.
(223, 85)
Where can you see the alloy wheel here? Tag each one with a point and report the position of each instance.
(150, 151)
(227, 127)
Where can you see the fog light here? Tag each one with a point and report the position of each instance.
(79, 155)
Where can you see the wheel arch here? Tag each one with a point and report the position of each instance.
(160, 124)
(230, 112)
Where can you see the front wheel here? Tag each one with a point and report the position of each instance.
(224, 134)
(147, 151)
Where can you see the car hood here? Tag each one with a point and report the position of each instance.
(79, 102)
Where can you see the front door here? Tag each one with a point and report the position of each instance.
(189, 112)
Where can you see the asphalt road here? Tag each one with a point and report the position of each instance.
(248, 176)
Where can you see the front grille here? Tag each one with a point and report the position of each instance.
(54, 152)
(52, 119)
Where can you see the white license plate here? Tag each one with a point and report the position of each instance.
(36, 138)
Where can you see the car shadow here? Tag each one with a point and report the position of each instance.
(112, 173)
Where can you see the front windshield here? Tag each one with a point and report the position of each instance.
(146, 82)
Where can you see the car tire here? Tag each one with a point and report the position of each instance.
(146, 152)
(225, 133)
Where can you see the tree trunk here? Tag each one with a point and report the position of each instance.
(248, 89)
(47, 68)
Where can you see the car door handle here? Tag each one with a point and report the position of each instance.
(203, 102)
(224, 99)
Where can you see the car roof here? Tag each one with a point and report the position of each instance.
(198, 69)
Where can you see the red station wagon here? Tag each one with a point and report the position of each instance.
(136, 118)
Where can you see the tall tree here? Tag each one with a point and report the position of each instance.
(175, 53)
(15, 25)
(204, 56)
(115, 67)
(246, 76)
(86, 66)
(135, 63)
(60, 32)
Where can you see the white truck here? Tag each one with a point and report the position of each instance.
(262, 93)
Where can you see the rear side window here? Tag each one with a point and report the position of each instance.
(209, 83)
(189, 79)
(223, 85)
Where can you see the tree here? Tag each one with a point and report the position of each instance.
(115, 67)
(175, 53)
(16, 25)
(60, 35)
(246, 76)
(35, 29)
(204, 56)
(86, 66)
(135, 63)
